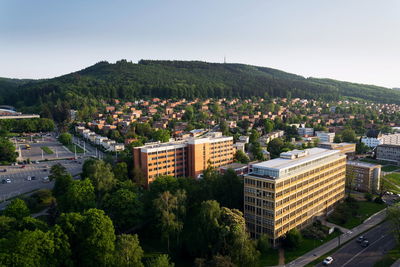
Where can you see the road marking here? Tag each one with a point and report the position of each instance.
(362, 251)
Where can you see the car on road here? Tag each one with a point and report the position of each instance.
(6, 181)
(328, 261)
(365, 243)
(33, 178)
(4, 170)
(46, 179)
(28, 178)
(360, 239)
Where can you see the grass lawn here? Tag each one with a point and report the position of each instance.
(389, 258)
(365, 210)
(47, 150)
(306, 246)
(369, 160)
(271, 258)
(72, 149)
(390, 181)
(390, 168)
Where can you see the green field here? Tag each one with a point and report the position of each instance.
(47, 150)
(391, 182)
(365, 209)
(389, 258)
(306, 246)
(271, 258)
(390, 168)
(72, 149)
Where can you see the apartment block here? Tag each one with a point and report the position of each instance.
(290, 191)
(189, 157)
(305, 131)
(365, 177)
(388, 153)
(379, 139)
(325, 137)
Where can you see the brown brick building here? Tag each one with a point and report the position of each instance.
(188, 157)
(365, 177)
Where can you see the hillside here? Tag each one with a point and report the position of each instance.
(178, 79)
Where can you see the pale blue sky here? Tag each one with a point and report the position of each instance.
(353, 40)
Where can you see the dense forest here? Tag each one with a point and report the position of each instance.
(178, 79)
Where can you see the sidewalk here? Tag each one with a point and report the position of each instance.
(334, 243)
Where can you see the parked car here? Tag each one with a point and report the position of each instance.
(360, 239)
(33, 177)
(28, 178)
(365, 243)
(23, 166)
(4, 170)
(3, 181)
(328, 261)
(46, 179)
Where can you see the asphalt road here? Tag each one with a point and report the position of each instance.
(354, 255)
(19, 183)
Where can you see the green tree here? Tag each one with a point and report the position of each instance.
(241, 157)
(275, 147)
(78, 197)
(99, 237)
(268, 126)
(128, 251)
(162, 260)
(101, 176)
(349, 135)
(166, 206)
(120, 171)
(17, 209)
(161, 135)
(393, 214)
(7, 151)
(65, 138)
(292, 239)
(124, 208)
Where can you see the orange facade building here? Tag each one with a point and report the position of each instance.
(188, 157)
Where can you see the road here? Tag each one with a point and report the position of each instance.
(354, 255)
(19, 183)
(334, 243)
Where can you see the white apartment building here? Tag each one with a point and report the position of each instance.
(388, 139)
(325, 137)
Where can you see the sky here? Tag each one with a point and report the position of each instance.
(351, 40)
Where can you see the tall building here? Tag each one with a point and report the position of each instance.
(365, 176)
(325, 137)
(188, 157)
(288, 192)
(388, 153)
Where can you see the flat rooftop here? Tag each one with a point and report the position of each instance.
(362, 164)
(282, 163)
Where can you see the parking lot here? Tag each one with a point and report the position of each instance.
(19, 176)
(35, 153)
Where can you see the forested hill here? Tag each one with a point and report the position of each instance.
(182, 79)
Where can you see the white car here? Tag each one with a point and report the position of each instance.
(328, 261)
(8, 181)
(46, 179)
(29, 178)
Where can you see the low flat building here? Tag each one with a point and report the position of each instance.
(349, 149)
(364, 177)
(305, 131)
(238, 168)
(290, 191)
(325, 137)
(389, 153)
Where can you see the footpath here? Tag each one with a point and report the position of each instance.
(336, 242)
